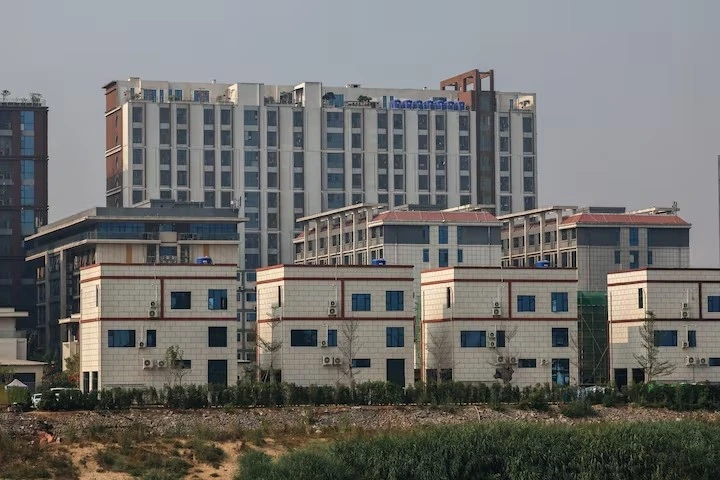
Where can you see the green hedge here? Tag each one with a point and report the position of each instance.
(249, 394)
(507, 450)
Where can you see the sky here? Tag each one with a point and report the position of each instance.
(627, 96)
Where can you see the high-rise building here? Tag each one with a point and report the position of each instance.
(23, 195)
(282, 152)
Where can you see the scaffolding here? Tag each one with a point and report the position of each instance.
(593, 357)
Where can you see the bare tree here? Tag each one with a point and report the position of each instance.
(7, 373)
(504, 369)
(349, 345)
(649, 359)
(175, 365)
(271, 346)
(440, 345)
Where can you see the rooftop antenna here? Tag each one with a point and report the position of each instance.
(5, 94)
(675, 208)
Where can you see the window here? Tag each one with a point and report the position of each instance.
(561, 371)
(360, 302)
(217, 372)
(217, 299)
(394, 301)
(634, 259)
(649, 258)
(151, 338)
(180, 300)
(641, 298)
(335, 140)
(250, 117)
(527, 124)
(426, 255)
(527, 363)
(360, 363)
(526, 303)
(443, 234)
(504, 144)
(692, 338)
(459, 256)
(500, 338)
(633, 236)
(121, 338)
(332, 338)
(666, 338)
(472, 338)
(443, 257)
(713, 302)
(217, 337)
(395, 337)
(298, 118)
(559, 301)
(560, 337)
(617, 257)
(303, 338)
(528, 145)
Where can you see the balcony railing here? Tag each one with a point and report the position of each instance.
(95, 236)
(208, 236)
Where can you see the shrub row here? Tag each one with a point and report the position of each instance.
(506, 450)
(248, 394)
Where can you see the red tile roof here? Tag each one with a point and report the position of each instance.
(623, 219)
(451, 217)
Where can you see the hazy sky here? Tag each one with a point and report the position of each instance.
(627, 91)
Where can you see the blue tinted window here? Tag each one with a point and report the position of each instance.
(443, 234)
(217, 299)
(472, 338)
(394, 301)
(634, 236)
(168, 251)
(27, 145)
(526, 303)
(617, 257)
(201, 96)
(395, 337)
(692, 338)
(666, 338)
(250, 276)
(151, 338)
(335, 160)
(714, 362)
(335, 200)
(443, 255)
(713, 303)
(459, 256)
(426, 255)
(121, 338)
(527, 363)
(336, 180)
(559, 301)
(27, 195)
(180, 300)
(649, 258)
(27, 218)
(27, 119)
(250, 316)
(303, 338)
(250, 297)
(361, 363)
(500, 338)
(560, 337)
(561, 371)
(332, 338)
(361, 302)
(335, 140)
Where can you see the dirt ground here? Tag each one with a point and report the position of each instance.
(275, 431)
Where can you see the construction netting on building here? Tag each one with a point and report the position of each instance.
(593, 353)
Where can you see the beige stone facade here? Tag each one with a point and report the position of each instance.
(319, 323)
(131, 314)
(479, 324)
(685, 304)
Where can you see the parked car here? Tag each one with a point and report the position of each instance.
(36, 400)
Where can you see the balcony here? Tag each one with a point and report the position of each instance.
(94, 235)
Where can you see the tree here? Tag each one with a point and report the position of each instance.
(271, 346)
(175, 364)
(504, 370)
(649, 359)
(7, 373)
(72, 368)
(440, 347)
(363, 99)
(349, 346)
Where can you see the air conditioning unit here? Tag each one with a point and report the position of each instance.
(496, 312)
(491, 335)
(323, 343)
(684, 314)
(685, 306)
(147, 364)
(513, 361)
(153, 304)
(332, 304)
(499, 359)
(702, 361)
(689, 361)
(141, 345)
(496, 305)
(685, 345)
(326, 361)
(491, 344)
(332, 312)
(162, 364)
(337, 361)
(543, 363)
(152, 313)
